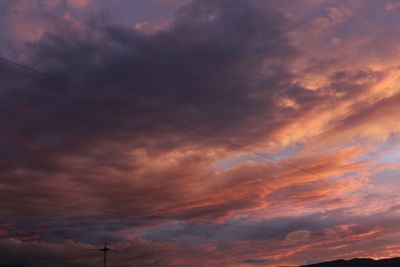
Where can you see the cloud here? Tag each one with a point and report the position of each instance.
(239, 70)
(69, 253)
(66, 146)
(79, 3)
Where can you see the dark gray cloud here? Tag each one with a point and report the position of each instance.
(223, 68)
(220, 68)
(69, 253)
(210, 74)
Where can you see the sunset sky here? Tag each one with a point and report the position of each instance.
(226, 133)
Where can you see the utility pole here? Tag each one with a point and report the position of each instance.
(105, 250)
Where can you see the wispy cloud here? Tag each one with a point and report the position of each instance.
(305, 79)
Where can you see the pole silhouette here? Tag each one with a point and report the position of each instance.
(105, 250)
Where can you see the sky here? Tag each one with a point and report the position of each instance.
(199, 132)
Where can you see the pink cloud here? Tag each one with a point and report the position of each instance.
(314, 97)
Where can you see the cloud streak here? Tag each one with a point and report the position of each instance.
(245, 71)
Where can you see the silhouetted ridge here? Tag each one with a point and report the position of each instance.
(358, 263)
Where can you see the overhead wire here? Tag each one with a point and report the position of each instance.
(177, 123)
(181, 125)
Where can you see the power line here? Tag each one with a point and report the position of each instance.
(163, 118)
(177, 123)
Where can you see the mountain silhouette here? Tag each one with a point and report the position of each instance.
(358, 263)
